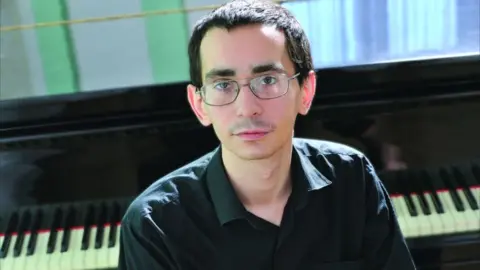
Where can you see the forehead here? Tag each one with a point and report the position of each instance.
(243, 48)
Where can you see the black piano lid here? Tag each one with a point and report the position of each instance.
(364, 89)
(425, 112)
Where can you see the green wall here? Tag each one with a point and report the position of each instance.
(55, 47)
(167, 37)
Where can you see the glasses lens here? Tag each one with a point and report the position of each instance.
(270, 86)
(267, 86)
(220, 93)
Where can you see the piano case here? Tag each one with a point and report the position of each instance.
(70, 164)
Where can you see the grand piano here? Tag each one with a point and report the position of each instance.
(71, 164)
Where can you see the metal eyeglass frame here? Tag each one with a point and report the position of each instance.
(249, 84)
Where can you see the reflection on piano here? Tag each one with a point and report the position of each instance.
(74, 163)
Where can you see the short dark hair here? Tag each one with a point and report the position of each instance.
(246, 12)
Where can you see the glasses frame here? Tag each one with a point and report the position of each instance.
(201, 90)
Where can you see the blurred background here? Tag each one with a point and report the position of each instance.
(151, 50)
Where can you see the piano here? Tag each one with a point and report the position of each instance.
(71, 164)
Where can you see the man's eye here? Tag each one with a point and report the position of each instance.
(269, 80)
(222, 85)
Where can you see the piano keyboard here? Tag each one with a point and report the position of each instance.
(432, 204)
(86, 235)
(77, 236)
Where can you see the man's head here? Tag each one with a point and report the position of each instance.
(252, 74)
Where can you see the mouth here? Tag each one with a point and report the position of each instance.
(252, 135)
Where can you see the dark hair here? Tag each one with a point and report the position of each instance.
(246, 12)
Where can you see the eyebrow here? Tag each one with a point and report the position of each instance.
(268, 67)
(213, 73)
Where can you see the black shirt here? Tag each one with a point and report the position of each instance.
(338, 216)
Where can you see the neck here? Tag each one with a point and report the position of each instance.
(261, 181)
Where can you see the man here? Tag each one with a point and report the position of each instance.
(262, 200)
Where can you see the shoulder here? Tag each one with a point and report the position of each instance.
(339, 163)
(313, 148)
(166, 196)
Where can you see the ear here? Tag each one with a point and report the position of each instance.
(197, 105)
(308, 92)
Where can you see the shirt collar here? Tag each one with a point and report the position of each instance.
(305, 176)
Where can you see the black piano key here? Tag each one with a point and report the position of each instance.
(67, 226)
(12, 225)
(101, 221)
(114, 218)
(447, 179)
(411, 206)
(403, 183)
(476, 174)
(22, 230)
(416, 184)
(32, 242)
(54, 227)
(434, 187)
(89, 221)
(470, 178)
(462, 182)
(3, 225)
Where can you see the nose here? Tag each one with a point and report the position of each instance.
(247, 103)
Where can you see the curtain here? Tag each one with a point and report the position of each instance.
(351, 32)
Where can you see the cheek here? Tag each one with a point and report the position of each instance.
(221, 118)
(289, 104)
(283, 111)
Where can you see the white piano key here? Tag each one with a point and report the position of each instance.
(2, 237)
(399, 213)
(8, 261)
(55, 262)
(449, 219)
(31, 260)
(41, 256)
(21, 260)
(90, 256)
(411, 220)
(458, 218)
(114, 252)
(102, 253)
(473, 220)
(77, 254)
(476, 193)
(422, 221)
(405, 216)
(66, 257)
(438, 221)
(410, 229)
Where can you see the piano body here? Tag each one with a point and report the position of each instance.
(70, 164)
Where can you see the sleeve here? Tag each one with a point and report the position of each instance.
(143, 245)
(384, 246)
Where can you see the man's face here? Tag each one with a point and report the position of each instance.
(250, 128)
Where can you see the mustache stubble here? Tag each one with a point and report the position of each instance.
(250, 123)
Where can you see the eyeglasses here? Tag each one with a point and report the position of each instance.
(224, 92)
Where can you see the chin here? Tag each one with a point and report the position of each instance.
(261, 149)
(253, 155)
(254, 150)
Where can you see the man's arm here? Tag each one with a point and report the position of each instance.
(384, 245)
(143, 245)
